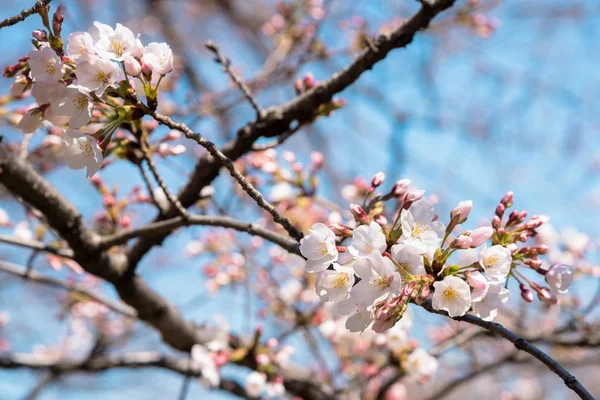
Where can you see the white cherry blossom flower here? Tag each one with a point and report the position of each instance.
(366, 239)
(487, 308)
(255, 383)
(76, 104)
(45, 65)
(318, 247)
(334, 285)
(452, 295)
(81, 151)
(359, 316)
(479, 284)
(419, 228)
(409, 260)
(496, 261)
(48, 92)
(421, 364)
(98, 74)
(159, 57)
(19, 85)
(132, 66)
(560, 277)
(31, 121)
(203, 360)
(113, 44)
(80, 47)
(379, 278)
(23, 232)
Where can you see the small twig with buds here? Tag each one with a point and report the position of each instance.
(170, 196)
(521, 344)
(226, 63)
(24, 14)
(227, 163)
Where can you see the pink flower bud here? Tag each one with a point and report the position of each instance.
(400, 187)
(299, 86)
(125, 221)
(480, 235)
(496, 222)
(500, 210)
(317, 158)
(462, 211)
(413, 196)
(545, 295)
(132, 66)
(381, 219)
(40, 35)
(108, 200)
(377, 179)
(526, 294)
(359, 213)
(341, 230)
(309, 81)
(462, 242)
(507, 200)
(173, 135)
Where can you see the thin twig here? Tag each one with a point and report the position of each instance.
(161, 227)
(170, 196)
(227, 163)
(72, 287)
(276, 142)
(522, 344)
(24, 14)
(226, 63)
(149, 188)
(35, 245)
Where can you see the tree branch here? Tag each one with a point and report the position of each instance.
(521, 344)
(169, 225)
(35, 245)
(24, 14)
(104, 363)
(300, 110)
(71, 287)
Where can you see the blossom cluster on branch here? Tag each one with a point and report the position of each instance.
(93, 82)
(389, 265)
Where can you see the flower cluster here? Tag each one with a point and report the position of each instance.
(387, 266)
(85, 84)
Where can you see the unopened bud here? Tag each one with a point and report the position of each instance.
(299, 86)
(462, 242)
(309, 81)
(480, 235)
(413, 196)
(507, 200)
(377, 179)
(496, 222)
(462, 211)
(381, 219)
(500, 210)
(400, 187)
(132, 66)
(359, 213)
(341, 230)
(526, 294)
(40, 35)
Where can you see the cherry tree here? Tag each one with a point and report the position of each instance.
(375, 287)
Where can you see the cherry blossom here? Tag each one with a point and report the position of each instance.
(462, 211)
(45, 65)
(80, 47)
(159, 57)
(496, 261)
(419, 229)
(81, 150)
(319, 248)
(487, 307)
(379, 278)
(98, 74)
(76, 104)
(334, 285)
(408, 260)
(560, 277)
(452, 295)
(31, 121)
(255, 383)
(366, 239)
(204, 360)
(421, 364)
(48, 92)
(112, 44)
(479, 283)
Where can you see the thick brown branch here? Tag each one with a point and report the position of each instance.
(24, 14)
